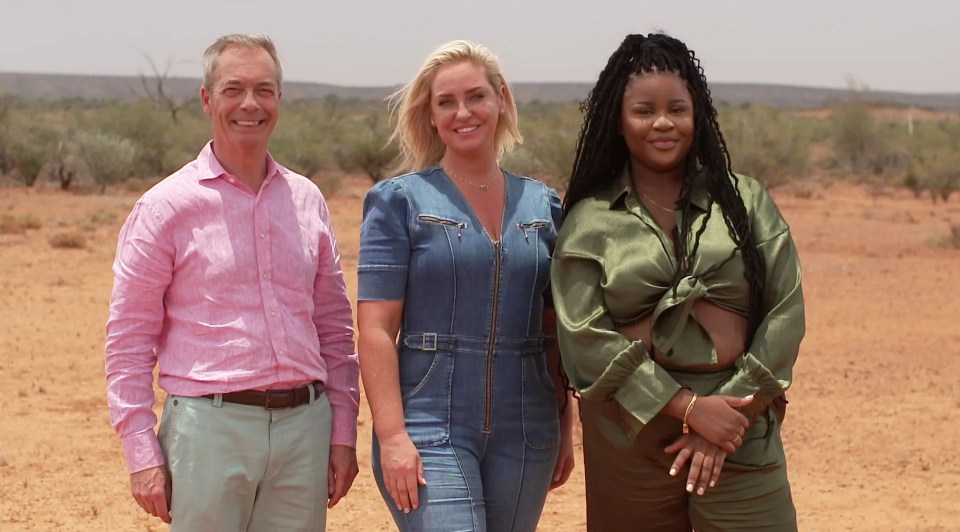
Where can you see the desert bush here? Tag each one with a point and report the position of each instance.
(30, 221)
(133, 184)
(549, 141)
(6, 102)
(68, 240)
(943, 175)
(861, 144)
(28, 157)
(766, 143)
(934, 160)
(328, 182)
(10, 225)
(17, 225)
(364, 147)
(522, 161)
(299, 145)
(101, 218)
(146, 126)
(107, 157)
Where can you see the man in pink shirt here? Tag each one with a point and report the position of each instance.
(228, 277)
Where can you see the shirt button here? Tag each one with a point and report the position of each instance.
(263, 235)
(281, 351)
(273, 313)
(265, 276)
(232, 180)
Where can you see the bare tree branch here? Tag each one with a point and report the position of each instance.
(155, 88)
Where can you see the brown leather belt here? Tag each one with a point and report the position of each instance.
(272, 399)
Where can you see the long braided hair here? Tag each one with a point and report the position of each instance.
(602, 153)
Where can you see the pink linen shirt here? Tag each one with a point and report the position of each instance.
(227, 290)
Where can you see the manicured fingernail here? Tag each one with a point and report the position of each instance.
(689, 488)
(700, 490)
(713, 483)
(749, 396)
(673, 471)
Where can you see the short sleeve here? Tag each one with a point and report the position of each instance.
(384, 243)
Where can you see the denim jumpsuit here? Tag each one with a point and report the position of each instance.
(478, 400)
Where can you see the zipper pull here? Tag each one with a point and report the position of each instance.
(524, 229)
(460, 227)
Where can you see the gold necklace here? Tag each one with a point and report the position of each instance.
(644, 194)
(482, 186)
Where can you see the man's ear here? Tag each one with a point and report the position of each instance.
(205, 101)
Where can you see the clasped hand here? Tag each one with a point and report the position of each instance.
(717, 431)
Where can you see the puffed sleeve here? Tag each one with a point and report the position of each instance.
(556, 215)
(384, 243)
(601, 363)
(766, 368)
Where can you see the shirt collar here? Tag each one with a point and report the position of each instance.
(623, 187)
(210, 167)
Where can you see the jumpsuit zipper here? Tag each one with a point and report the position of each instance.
(493, 337)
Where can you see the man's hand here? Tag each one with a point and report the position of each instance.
(152, 489)
(343, 469)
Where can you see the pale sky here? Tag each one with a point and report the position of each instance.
(907, 46)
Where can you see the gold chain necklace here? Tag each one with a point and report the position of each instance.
(482, 186)
(644, 194)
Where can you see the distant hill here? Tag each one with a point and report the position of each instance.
(63, 86)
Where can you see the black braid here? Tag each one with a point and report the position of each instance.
(602, 153)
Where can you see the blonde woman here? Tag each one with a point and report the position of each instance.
(453, 271)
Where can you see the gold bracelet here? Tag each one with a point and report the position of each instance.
(693, 401)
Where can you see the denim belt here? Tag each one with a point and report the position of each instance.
(272, 399)
(428, 341)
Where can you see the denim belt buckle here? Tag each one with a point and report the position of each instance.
(429, 341)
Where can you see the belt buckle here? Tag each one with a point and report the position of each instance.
(267, 402)
(429, 341)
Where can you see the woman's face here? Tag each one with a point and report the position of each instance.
(465, 109)
(656, 120)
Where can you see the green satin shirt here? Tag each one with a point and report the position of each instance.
(613, 264)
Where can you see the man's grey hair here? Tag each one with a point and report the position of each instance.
(238, 40)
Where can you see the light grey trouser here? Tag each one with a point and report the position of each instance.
(245, 468)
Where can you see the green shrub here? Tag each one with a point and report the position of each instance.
(765, 143)
(107, 157)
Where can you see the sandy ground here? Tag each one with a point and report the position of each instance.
(872, 432)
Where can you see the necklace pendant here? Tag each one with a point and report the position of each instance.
(484, 186)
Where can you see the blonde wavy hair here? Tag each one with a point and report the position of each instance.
(419, 143)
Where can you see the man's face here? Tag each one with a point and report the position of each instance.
(243, 99)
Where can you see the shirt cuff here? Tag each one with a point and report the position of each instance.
(344, 429)
(752, 378)
(142, 451)
(644, 395)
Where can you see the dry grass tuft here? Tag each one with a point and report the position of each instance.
(17, 225)
(69, 240)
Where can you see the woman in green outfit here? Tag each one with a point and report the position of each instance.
(677, 290)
